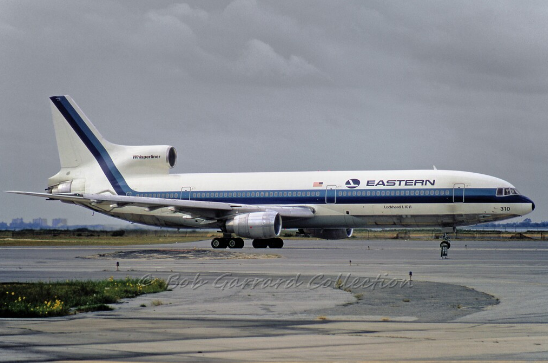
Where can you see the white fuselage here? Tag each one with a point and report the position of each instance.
(339, 199)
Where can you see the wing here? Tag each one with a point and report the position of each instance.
(198, 209)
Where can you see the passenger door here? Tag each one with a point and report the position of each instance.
(458, 192)
(331, 194)
(184, 192)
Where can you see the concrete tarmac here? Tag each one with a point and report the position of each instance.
(347, 300)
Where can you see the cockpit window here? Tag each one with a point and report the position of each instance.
(503, 192)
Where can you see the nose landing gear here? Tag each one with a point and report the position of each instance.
(445, 245)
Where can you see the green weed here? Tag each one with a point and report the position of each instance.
(42, 299)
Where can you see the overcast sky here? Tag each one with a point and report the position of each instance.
(291, 85)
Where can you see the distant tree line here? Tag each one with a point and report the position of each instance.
(526, 223)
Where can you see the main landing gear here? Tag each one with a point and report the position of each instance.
(270, 242)
(230, 242)
(227, 242)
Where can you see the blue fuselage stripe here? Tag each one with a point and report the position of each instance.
(370, 196)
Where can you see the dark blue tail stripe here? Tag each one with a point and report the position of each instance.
(93, 144)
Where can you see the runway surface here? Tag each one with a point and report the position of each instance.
(347, 300)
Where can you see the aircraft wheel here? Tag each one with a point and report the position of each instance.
(232, 243)
(218, 243)
(446, 243)
(276, 243)
(260, 243)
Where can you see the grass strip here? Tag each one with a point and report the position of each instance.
(94, 241)
(44, 299)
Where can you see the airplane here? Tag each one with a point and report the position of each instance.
(134, 183)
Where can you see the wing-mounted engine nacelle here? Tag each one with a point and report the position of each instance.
(256, 225)
(324, 233)
(145, 159)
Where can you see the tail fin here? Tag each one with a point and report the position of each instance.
(81, 149)
(85, 154)
(77, 138)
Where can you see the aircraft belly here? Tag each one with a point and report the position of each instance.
(405, 215)
(342, 215)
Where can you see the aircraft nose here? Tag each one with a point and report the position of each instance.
(524, 199)
(532, 204)
(528, 200)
